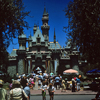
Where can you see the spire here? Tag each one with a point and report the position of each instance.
(54, 36)
(30, 33)
(44, 13)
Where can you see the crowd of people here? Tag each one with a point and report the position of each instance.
(20, 88)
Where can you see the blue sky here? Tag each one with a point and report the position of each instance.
(57, 19)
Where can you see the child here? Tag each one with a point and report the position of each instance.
(10, 86)
(31, 84)
(44, 88)
(51, 91)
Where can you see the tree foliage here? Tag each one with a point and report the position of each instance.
(12, 17)
(84, 27)
(12, 22)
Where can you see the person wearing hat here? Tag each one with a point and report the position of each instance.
(17, 93)
(3, 93)
(51, 91)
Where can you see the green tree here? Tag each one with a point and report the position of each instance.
(84, 27)
(12, 22)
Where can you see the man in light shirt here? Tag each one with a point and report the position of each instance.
(3, 93)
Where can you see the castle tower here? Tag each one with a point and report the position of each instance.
(21, 52)
(45, 27)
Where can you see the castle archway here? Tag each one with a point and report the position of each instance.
(38, 68)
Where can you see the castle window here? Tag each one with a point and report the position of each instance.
(38, 40)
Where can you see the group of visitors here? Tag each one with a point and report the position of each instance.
(20, 88)
(55, 80)
(45, 82)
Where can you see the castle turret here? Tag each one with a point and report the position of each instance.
(22, 41)
(45, 27)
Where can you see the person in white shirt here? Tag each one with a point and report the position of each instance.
(43, 88)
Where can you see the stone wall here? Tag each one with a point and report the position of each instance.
(21, 66)
(74, 62)
(11, 70)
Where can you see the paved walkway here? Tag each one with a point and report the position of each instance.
(35, 91)
(57, 92)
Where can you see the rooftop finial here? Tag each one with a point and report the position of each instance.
(44, 13)
(38, 23)
(54, 36)
(44, 3)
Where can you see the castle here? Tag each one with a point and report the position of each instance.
(49, 56)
